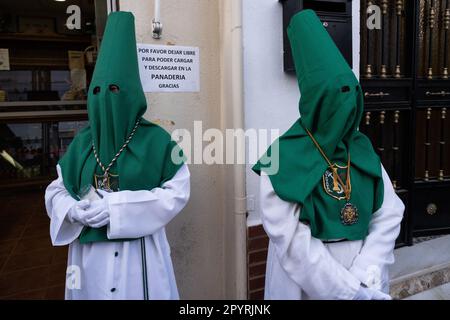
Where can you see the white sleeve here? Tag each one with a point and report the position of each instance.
(378, 248)
(58, 202)
(135, 214)
(304, 258)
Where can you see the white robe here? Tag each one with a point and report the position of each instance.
(113, 270)
(300, 266)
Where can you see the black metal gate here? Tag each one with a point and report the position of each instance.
(404, 75)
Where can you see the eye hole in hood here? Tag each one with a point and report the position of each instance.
(345, 89)
(114, 88)
(96, 90)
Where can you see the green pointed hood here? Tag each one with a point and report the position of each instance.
(115, 102)
(331, 107)
(113, 114)
(330, 92)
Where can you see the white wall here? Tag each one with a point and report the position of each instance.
(197, 234)
(270, 95)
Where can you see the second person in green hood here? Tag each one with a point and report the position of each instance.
(330, 211)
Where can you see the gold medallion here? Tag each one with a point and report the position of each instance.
(349, 214)
(335, 186)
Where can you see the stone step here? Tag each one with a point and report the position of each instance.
(441, 292)
(421, 267)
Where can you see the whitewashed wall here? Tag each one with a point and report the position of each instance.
(270, 95)
(196, 235)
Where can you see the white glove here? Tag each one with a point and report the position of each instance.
(97, 215)
(371, 294)
(94, 214)
(77, 212)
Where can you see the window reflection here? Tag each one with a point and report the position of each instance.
(32, 150)
(18, 85)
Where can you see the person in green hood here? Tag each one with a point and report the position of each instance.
(120, 182)
(330, 210)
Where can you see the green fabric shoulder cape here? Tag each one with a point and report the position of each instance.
(331, 107)
(115, 102)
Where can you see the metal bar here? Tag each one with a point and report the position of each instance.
(380, 94)
(395, 149)
(367, 118)
(441, 93)
(368, 64)
(431, 24)
(384, 8)
(442, 144)
(399, 7)
(427, 144)
(446, 27)
(156, 22)
(381, 134)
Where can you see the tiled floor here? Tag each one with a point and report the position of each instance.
(30, 267)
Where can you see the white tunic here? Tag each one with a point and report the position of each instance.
(113, 270)
(300, 266)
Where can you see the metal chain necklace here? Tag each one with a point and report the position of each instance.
(108, 167)
(349, 213)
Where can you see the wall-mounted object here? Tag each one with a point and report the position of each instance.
(4, 59)
(156, 22)
(112, 6)
(336, 16)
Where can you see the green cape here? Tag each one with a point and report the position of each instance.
(331, 107)
(146, 163)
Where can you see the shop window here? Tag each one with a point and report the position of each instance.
(45, 69)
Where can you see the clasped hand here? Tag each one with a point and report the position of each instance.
(94, 214)
(371, 294)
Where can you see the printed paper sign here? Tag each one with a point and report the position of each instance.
(169, 68)
(4, 59)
